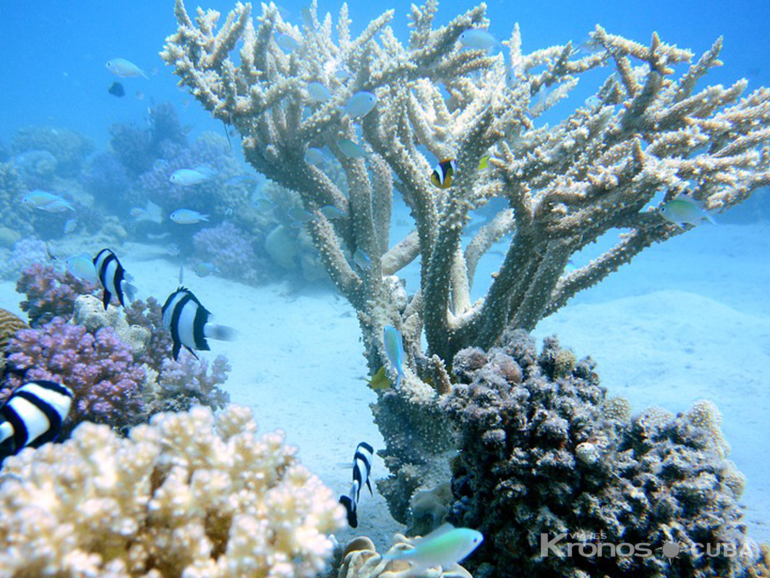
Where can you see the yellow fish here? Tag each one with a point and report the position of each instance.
(484, 162)
(379, 381)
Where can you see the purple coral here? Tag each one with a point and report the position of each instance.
(187, 382)
(229, 250)
(50, 293)
(99, 369)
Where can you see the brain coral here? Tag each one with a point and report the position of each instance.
(540, 457)
(189, 495)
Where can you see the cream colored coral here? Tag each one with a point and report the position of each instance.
(189, 494)
(90, 312)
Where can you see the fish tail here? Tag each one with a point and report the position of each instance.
(129, 290)
(220, 332)
(204, 217)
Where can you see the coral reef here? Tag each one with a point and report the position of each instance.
(68, 148)
(99, 368)
(50, 293)
(651, 127)
(546, 461)
(190, 494)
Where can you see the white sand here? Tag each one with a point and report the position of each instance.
(687, 320)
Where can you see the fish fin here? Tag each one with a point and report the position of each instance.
(369, 485)
(106, 297)
(219, 332)
(129, 290)
(444, 528)
(195, 355)
(350, 508)
(175, 350)
(709, 218)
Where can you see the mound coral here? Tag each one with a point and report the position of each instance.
(190, 495)
(550, 469)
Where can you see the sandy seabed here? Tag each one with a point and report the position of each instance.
(687, 320)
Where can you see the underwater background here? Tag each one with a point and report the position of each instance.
(686, 320)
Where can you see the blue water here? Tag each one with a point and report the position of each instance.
(54, 74)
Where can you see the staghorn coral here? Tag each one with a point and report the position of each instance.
(99, 369)
(559, 186)
(50, 293)
(190, 494)
(567, 184)
(542, 458)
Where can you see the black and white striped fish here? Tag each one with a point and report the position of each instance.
(113, 278)
(188, 322)
(32, 416)
(362, 467)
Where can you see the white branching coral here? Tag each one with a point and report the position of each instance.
(189, 494)
(650, 128)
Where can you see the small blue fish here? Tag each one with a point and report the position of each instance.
(299, 214)
(444, 546)
(394, 349)
(477, 39)
(82, 267)
(318, 92)
(593, 101)
(187, 177)
(286, 42)
(46, 201)
(351, 149)
(360, 104)
(314, 156)
(70, 225)
(683, 210)
(361, 259)
(124, 68)
(331, 212)
(187, 217)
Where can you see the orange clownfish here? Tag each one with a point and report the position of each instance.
(443, 173)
